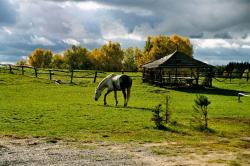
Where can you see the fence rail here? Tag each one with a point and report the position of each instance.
(50, 74)
(72, 75)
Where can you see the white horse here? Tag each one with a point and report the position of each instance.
(115, 83)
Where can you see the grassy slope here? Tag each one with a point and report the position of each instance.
(35, 107)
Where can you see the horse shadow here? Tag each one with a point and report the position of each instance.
(128, 107)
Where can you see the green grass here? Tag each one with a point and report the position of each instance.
(31, 107)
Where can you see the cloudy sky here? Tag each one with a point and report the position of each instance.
(218, 29)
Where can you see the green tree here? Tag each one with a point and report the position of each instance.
(21, 62)
(40, 58)
(201, 111)
(58, 61)
(77, 58)
(128, 61)
(157, 117)
(246, 73)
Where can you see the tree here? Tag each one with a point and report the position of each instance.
(128, 61)
(246, 73)
(159, 46)
(140, 59)
(77, 58)
(97, 59)
(157, 117)
(108, 58)
(201, 111)
(183, 43)
(40, 58)
(58, 61)
(21, 62)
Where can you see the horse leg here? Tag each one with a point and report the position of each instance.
(116, 101)
(125, 97)
(105, 103)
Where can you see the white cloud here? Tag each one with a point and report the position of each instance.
(114, 29)
(71, 41)
(215, 43)
(93, 40)
(245, 46)
(94, 22)
(94, 6)
(7, 30)
(6, 62)
(90, 5)
(36, 40)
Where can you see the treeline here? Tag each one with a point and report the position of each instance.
(236, 69)
(110, 56)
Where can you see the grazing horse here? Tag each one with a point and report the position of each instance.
(115, 83)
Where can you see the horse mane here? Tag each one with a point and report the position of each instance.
(109, 76)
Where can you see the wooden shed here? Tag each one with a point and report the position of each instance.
(177, 69)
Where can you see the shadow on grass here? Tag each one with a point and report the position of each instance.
(205, 130)
(213, 91)
(174, 127)
(128, 107)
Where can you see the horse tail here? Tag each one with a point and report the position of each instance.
(129, 89)
(128, 93)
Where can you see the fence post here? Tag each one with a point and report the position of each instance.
(167, 113)
(50, 74)
(95, 76)
(197, 77)
(247, 76)
(35, 71)
(10, 68)
(230, 75)
(72, 75)
(22, 70)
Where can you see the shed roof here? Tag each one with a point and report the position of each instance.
(176, 59)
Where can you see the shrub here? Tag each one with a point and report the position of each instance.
(201, 111)
(157, 118)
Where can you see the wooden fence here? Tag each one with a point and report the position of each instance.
(57, 74)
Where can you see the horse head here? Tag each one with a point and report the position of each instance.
(97, 94)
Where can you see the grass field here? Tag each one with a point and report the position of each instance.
(31, 107)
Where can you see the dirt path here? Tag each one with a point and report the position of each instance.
(37, 151)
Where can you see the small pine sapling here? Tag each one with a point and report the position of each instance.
(157, 118)
(201, 111)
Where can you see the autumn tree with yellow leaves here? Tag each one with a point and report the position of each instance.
(108, 57)
(40, 58)
(159, 46)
